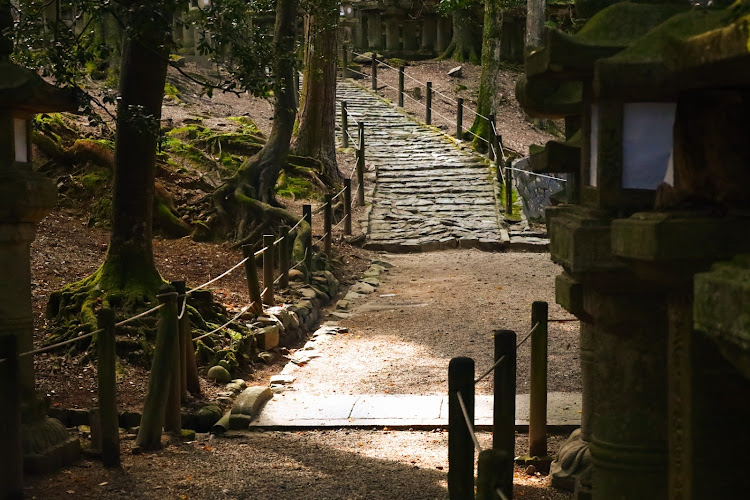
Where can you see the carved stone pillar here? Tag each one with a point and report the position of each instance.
(429, 33)
(392, 33)
(443, 34)
(410, 35)
(374, 31)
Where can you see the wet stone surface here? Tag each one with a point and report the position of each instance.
(426, 193)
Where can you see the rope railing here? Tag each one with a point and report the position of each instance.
(468, 422)
(560, 179)
(235, 318)
(421, 83)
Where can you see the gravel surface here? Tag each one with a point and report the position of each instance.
(435, 306)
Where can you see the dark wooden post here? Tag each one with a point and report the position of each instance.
(11, 445)
(460, 443)
(183, 342)
(307, 214)
(538, 392)
(361, 166)
(327, 225)
(348, 206)
(192, 381)
(173, 413)
(460, 118)
(253, 286)
(105, 372)
(508, 188)
(504, 410)
(374, 72)
(401, 86)
(344, 125)
(268, 298)
(428, 106)
(490, 137)
(488, 480)
(284, 256)
(152, 421)
(344, 62)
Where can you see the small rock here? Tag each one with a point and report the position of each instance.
(455, 72)
(530, 470)
(282, 379)
(296, 275)
(219, 374)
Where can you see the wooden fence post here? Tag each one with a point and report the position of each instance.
(253, 286)
(348, 207)
(284, 256)
(538, 389)
(344, 62)
(361, 166)
(401, 86)
(173, 413)
(488, 480)
(428, 105)
(182, 341)
(11, 445)
(152, 421)
(508, 188)
(327, 225)
(490, 137)
(460, 443)
(344, 125)
(374, 72)
(268, 298)
(460, 118)
(307, 214)
(105, 372)
(504, 408)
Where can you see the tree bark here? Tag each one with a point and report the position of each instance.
(143, 73)
(317, 122)
(465, 43)
(535, 17)
(488, 90)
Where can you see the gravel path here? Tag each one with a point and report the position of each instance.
(435, 306)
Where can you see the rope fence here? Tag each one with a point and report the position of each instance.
(495, 471)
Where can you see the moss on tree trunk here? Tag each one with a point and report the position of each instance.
(488, 90)
(465, 43)
(317, 122)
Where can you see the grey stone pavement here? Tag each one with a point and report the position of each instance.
(426, 192)
(297, 410)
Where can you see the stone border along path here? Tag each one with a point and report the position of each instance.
(429, 193)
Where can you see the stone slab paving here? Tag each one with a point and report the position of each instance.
(428, 193)
(291, 409)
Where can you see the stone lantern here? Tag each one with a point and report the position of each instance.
(25, 198)
(665, 344)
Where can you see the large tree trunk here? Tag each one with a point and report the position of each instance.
(317, 123)
(142, 76)
(491, 40)
(246, 202)
(465, 43)
(535, 17)
(128, 277)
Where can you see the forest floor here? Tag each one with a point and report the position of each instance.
(311, 464)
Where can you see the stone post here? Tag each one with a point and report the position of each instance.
(374, 30)
(443, 34)
(429, 33)
(392, 33)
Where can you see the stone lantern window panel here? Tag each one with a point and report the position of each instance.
(21, 140)
(594, 146)
(647, 142)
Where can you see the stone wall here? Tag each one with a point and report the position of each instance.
(534, 191)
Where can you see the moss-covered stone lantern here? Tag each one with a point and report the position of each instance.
(664, 174)
(25, 198)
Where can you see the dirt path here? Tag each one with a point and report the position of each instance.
(435, 306)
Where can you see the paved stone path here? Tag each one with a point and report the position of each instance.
(291, 409)
(428, 194)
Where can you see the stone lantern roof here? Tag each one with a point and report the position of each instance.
(567, 57)
(557, 156)
(696, 49)
(24, 90)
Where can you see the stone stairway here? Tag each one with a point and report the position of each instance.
(426, 192)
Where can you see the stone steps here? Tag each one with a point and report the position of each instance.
(429, 193)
